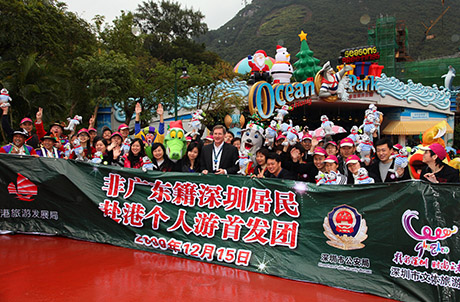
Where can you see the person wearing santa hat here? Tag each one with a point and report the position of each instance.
(259, 70)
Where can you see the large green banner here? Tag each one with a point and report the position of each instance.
(397, 240)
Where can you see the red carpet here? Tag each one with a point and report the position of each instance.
(40, 268)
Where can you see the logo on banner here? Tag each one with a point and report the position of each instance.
(345, 228)
(24, 190)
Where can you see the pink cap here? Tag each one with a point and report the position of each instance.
(319, 151)
(331, 143)
(331, 159)
(83, 130)
(122, 127)
(92, 129)
(307, 136)
(188, 139)
(352, 159)
(347, 142)
(280, 137)
(438, 149)
(25, 120)
(116, 133)
(210, 138)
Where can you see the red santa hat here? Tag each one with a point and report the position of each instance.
(5, 92)
(262, 52)
(176, 124)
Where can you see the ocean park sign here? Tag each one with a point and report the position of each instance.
(264, 97)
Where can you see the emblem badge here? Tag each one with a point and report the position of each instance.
(345, 228)
(24, 190)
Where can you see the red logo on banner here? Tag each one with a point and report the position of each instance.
(25, 188)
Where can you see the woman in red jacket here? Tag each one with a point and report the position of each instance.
(134, 158)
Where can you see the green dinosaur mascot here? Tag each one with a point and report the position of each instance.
(175, 141)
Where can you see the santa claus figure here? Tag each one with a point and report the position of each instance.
(281, 70)
(259, 70)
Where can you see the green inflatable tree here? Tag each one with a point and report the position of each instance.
(307, 66)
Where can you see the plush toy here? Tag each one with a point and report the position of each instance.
(147, 164)
(77, 150)
(401, 159)
(259, 69)
(126, 146)
(331, 178)
(195, 123)
(368, 125)
(378, 116)
(281, 70)
(252, 139)
(354, 134)
(271, 132)
(243, 162)
(362, 177)
(327, 128)
(320, 178)
(292, 136)
(97, 158)
(281, 113)
(73, 122)
(175, 143)
(365, 147)
(67, 149)
(5, 98)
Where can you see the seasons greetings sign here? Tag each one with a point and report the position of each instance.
(398, 241)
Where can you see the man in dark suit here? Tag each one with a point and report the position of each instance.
(383, 169)
(219, 157)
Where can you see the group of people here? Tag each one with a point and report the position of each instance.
(327, 162)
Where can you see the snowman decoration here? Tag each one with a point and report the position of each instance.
(282, 69)
(4, 98)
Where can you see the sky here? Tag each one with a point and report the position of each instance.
(217, 13)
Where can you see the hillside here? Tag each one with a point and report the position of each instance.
(331, 27)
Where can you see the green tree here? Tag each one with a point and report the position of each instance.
(307, 66)
(169, 30)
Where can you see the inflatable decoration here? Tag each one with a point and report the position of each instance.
(242, 67)
(282, 70)
(73, 122)
(5, 98)
(260, 71)
(175, 141)
(449, 77)
(234, 123)
(327, 82)
(430, 136)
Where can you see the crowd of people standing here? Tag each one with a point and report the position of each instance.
(218, 153)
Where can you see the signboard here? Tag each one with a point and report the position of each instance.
(396, 240)
(359, 54)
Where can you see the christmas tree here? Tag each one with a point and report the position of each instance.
(307, 66)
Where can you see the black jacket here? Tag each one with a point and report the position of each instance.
(228, 159)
